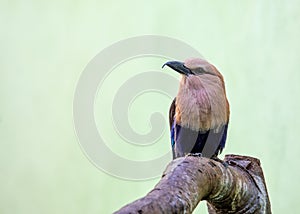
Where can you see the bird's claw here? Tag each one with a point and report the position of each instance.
(215, 158)
(195, 154)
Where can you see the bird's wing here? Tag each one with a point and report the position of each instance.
(172, 113)
(172, 124)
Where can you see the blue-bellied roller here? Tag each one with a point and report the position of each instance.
(199, 114)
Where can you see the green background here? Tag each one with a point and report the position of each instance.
(45, 47)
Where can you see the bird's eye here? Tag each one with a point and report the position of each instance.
(200, 70)
(203, 71)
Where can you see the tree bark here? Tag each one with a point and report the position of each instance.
(235, 185)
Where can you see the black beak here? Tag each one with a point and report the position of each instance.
(179, 67)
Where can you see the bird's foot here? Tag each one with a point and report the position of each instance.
(215, 158)
(195, 154)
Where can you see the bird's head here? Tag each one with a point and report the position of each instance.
(193, 66)
(201, 101)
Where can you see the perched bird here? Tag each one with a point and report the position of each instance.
(199, 114)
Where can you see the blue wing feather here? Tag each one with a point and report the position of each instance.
(173, 135)
(224, 137)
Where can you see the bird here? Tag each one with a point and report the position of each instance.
(199, 114)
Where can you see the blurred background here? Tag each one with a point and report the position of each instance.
(45, 47)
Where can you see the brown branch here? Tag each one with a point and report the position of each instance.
(236, 188)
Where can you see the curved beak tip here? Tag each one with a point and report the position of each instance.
(179, 67)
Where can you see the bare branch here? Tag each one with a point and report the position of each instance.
(235, 186)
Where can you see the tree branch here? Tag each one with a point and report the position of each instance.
(235, 186)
